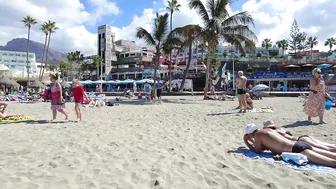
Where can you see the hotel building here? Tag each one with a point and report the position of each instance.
(106, 47)
(16, 61)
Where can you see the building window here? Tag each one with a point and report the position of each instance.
(13, 60)
(132, 55)
(31, 56)
(17, 55)
(144, 54)
(11, 54)
(127, 55)
(103, 35)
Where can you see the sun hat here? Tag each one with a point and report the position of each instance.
(250, 128)
(269, 123)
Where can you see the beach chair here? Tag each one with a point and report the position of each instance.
(23, 99)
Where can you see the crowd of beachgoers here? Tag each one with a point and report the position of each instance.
(182, 142)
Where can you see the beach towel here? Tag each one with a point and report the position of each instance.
(255, 110)
(17, 120)
(268, 157)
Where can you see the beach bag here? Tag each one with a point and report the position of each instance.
(328, 105)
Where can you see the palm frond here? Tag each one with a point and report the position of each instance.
(241, 18)
(147, 37)
(201, 10)
(161, 27)
(239, 30)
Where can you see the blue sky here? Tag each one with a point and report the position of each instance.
(130, 8)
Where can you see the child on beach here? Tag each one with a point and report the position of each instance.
(78, 93)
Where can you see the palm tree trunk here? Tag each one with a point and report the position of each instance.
(28, 82)
(207, 75)
(187, 68)
(44, 49)
(47, 51)
(170, 55)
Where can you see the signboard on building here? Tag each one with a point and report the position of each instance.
(279, 75)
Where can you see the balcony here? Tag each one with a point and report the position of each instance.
(127, 60)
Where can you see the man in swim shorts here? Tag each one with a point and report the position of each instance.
(241, 90)
(267, 139)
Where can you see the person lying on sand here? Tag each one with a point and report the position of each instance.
(3, 115)
(268, 139)
(269, 124)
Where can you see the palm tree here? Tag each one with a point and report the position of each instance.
(330, 42)
(51, 29)
(188, 35)
(45, 30)
(202, 46)
(266, 43)
(283, 44)
(312, 42)
(173, 6)
(28, 22)
(219, 25)
(65, 66)
(97, 62)
(158, 39)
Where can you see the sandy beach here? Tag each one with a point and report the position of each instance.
(183, 143)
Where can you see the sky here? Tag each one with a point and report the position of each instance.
(78, 19)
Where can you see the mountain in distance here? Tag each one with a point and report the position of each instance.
(20, 45)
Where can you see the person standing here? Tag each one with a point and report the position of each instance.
(159, 88)
(316, 100)
(147, 90)
(241, 90)
(78, 94)
(57, 101)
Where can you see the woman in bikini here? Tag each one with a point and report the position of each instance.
(269, 124)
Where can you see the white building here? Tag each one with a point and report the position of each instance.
(16, 62)
(106, 47)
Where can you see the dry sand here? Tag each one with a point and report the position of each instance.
(184, 143)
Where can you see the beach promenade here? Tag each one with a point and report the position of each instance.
(183, 143)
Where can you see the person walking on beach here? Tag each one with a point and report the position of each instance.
(241, 90)
(57, 103)
(159, 88)
(78, 94)
(316, 100)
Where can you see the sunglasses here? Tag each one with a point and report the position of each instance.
(318, 73)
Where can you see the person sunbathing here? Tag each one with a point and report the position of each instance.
(268, 139)
(249, 102)
(3, 115)
(269, 124)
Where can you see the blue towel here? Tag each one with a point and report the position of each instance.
(268, 156)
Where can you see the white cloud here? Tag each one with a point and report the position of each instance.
(273, 20)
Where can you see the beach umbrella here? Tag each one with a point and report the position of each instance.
(14, 83)
(260, 87)
(5, 80)
(292, 66)
(324, 66)
(36, 84)
(308, 65)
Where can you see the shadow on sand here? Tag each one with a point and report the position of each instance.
(300, 124)
(239, 150)
(222, 113)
